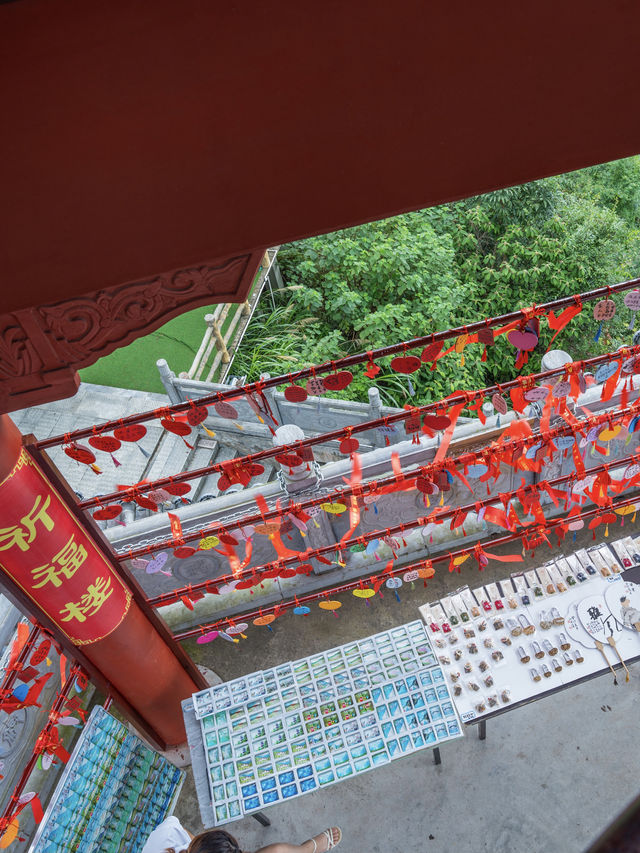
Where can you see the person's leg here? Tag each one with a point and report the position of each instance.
(321, 844)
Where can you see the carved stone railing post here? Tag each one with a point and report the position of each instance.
(167, 377)
(299, 479)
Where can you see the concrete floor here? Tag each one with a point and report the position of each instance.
(549, 777)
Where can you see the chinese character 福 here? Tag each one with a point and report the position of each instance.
(64, 565)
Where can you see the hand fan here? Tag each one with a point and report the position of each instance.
(592, 611)
(623, 600)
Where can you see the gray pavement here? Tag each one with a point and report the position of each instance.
(94, 404)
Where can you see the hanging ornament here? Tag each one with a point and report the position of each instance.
(207, 637)
(132, 433)
(349, 445)
(177, 428)
(523, 339)
(606, 371)
(334, 508)
(460, 344)
(337, 381)
(146, 503)
(108, 444)
(431, 352)
(394, 584)
(436, 422)
(537, 393)
(226, 410)
(602, 311)
(364, 592)
(331, 605)
(301, 609)
(157, 564)
(486, 336)
(266, 620)
(80, 453)
(623, 511)
(632, 302)
(295, 394)
(40, 653)
(184, 551)
(238, 628)
(178, 489)
(105, 513)
(315, 387)
(405, 363)
(499, 403)
(411, 577)
(196, 415)
(476, 471)
(208, 542)
(372, 368)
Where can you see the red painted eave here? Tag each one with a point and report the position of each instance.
(140, 137)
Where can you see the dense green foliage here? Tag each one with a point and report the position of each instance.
(386, 281)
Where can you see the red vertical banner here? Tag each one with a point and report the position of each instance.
(48, 553)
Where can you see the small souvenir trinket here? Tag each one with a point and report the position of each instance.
(537, 651)
(525, 624)
(514, 629)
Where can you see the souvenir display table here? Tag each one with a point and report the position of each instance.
(113, 792)
(539, 631)
(277, 734)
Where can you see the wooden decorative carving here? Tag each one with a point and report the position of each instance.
(41, 348)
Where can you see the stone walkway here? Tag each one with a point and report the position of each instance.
(94, 404)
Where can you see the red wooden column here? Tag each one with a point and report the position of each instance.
(57, 566)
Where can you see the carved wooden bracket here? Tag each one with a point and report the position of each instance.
(41, 348)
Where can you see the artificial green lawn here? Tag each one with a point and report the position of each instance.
(134, 366)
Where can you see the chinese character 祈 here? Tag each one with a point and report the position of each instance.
(64, 565)
(93, 599)
(594, 613)
(23, 536)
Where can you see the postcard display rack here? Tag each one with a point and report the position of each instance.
(539, 631)
(283, 732)
(113, 792)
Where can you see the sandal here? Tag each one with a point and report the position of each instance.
(328, 834)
